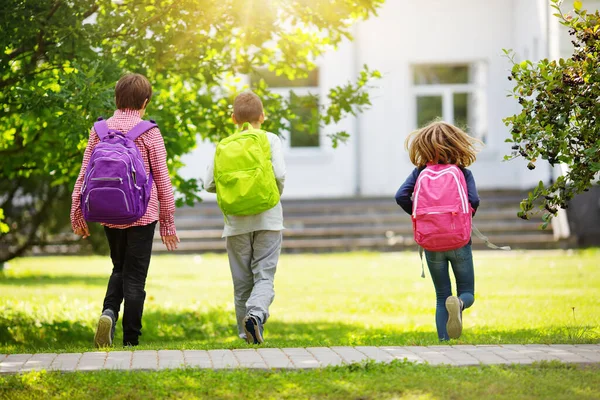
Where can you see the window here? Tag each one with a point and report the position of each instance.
(453, 92)
(304, 103)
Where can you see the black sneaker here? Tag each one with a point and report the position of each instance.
(254, 330)
(105, 331)
(454, 324)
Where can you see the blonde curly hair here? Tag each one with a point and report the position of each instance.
(441, 143)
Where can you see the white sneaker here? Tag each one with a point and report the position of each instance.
(454, 324)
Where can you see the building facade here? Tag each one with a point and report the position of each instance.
(438, 58)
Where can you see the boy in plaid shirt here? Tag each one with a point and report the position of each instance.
(131, 245)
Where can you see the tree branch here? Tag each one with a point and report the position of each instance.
(92, 10)
(54, 9)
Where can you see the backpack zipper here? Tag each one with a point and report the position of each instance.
(108, 179)
(114, 159)
(453, 213)
(133, 171)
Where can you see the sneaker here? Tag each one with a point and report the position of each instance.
(254, 330)
(454, 324)
(105, 331)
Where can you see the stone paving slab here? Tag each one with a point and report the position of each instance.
(459, 357)
(276, 359)
(118, 360)
(168, 359)
(376, 354)
(197, 359)
(301, 358)
(249, 358)
(222, 359)
(13, 363)
(593, 347)
(432, 355)
(402, 353)
(298, 358)
(39, 362)
(591, 356)
(325, 356)
(145, 359)
(349, 355)
(92, 361)
(66, 362)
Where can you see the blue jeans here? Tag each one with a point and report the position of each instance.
(462, 266)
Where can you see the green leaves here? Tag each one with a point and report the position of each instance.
(59, 62)
(3, 226)
(558, 121)
(577, 5)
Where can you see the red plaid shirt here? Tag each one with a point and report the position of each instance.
(152, 149)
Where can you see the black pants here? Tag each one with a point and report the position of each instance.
(130, 251)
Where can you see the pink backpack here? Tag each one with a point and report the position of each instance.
(441, 210)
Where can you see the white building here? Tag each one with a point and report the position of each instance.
(438, 58)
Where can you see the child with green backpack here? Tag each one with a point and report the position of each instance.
(248, 175)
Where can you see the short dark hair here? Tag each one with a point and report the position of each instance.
(131, 92)
(247, 107)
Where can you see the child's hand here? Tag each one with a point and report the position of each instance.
(83, 231)
(170, 241)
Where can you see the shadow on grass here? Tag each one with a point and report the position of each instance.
(45, 280)
(21, 332)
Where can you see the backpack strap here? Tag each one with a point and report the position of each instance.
(101, 128)
(422, 266)
(141, 128)
(487, 241)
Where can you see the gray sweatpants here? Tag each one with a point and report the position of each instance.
(253, 261)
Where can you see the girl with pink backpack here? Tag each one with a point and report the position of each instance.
(441, 197)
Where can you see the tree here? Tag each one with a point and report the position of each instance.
(560, 117)
(60, 60)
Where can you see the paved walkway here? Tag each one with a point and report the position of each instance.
(298, 358)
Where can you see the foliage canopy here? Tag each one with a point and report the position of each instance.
(59, 61)
(559, 118)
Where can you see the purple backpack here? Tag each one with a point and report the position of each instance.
(116, 188)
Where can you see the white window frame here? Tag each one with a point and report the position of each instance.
(447, 91)
(286, 134)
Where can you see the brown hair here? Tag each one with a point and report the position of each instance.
(441, 143)
(131, 92)
(247, 107)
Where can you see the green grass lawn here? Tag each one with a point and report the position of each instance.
(52, 304)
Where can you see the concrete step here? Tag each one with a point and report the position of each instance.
(489, 228)
(393, 243)
(361, 224)
(346, 224)
(350, 206)
(373, 218)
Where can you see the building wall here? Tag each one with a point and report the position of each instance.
(374, 162)
(311, 172)
(437, 31)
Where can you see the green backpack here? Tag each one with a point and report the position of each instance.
(244, 174)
